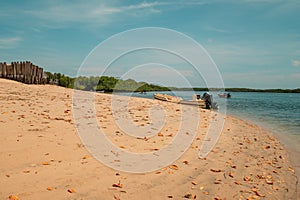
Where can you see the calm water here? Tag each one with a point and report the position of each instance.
(278, 112)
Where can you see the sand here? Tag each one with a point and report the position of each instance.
(42, 156)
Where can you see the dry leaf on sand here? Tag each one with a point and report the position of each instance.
(173, 167)
(71, 190)
(118, 185)
(194, 183)
(50, 188)
(13, 197)
(215, 170)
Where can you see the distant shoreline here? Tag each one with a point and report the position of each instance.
(112, 84)
(297, 90)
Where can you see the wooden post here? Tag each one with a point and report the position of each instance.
(27, 72)
(23, 72)
(18, 71)
(9, 71)
(14, 70)
(33, 73)
(36, 78)
(39, 75)
(44, 77)
(0, 70)
(4, 72)
(30, 74)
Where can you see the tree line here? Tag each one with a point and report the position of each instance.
(297, 90)
(103, 83)
(263, 90)
(110, 84)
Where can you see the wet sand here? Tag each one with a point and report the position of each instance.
(42, 156)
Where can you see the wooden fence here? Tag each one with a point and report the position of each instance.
(24, 72)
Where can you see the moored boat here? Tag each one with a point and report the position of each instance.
(204, 102)
(199, 103)
(196, 101)
(224, 95)
(166, 97)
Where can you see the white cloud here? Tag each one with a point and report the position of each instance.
(296, 63)
(94, 12)
(143, 5)
(99, 12)
(9, 42)
(148, 7)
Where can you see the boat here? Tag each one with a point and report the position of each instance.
(196, 101)
(199, 103)
(143, 92)
(204, 102)
(166, 97)
(224, 95)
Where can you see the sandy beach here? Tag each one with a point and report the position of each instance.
(42, 156)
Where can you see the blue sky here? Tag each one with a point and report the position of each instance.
(254, 43)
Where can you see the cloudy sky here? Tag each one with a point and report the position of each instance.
(254, 43)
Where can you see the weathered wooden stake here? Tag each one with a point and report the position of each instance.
(25, 72)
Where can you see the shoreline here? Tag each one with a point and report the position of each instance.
(40, 141)
(285, 140)
(288, 141)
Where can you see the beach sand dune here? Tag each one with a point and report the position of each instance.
(42, 156)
